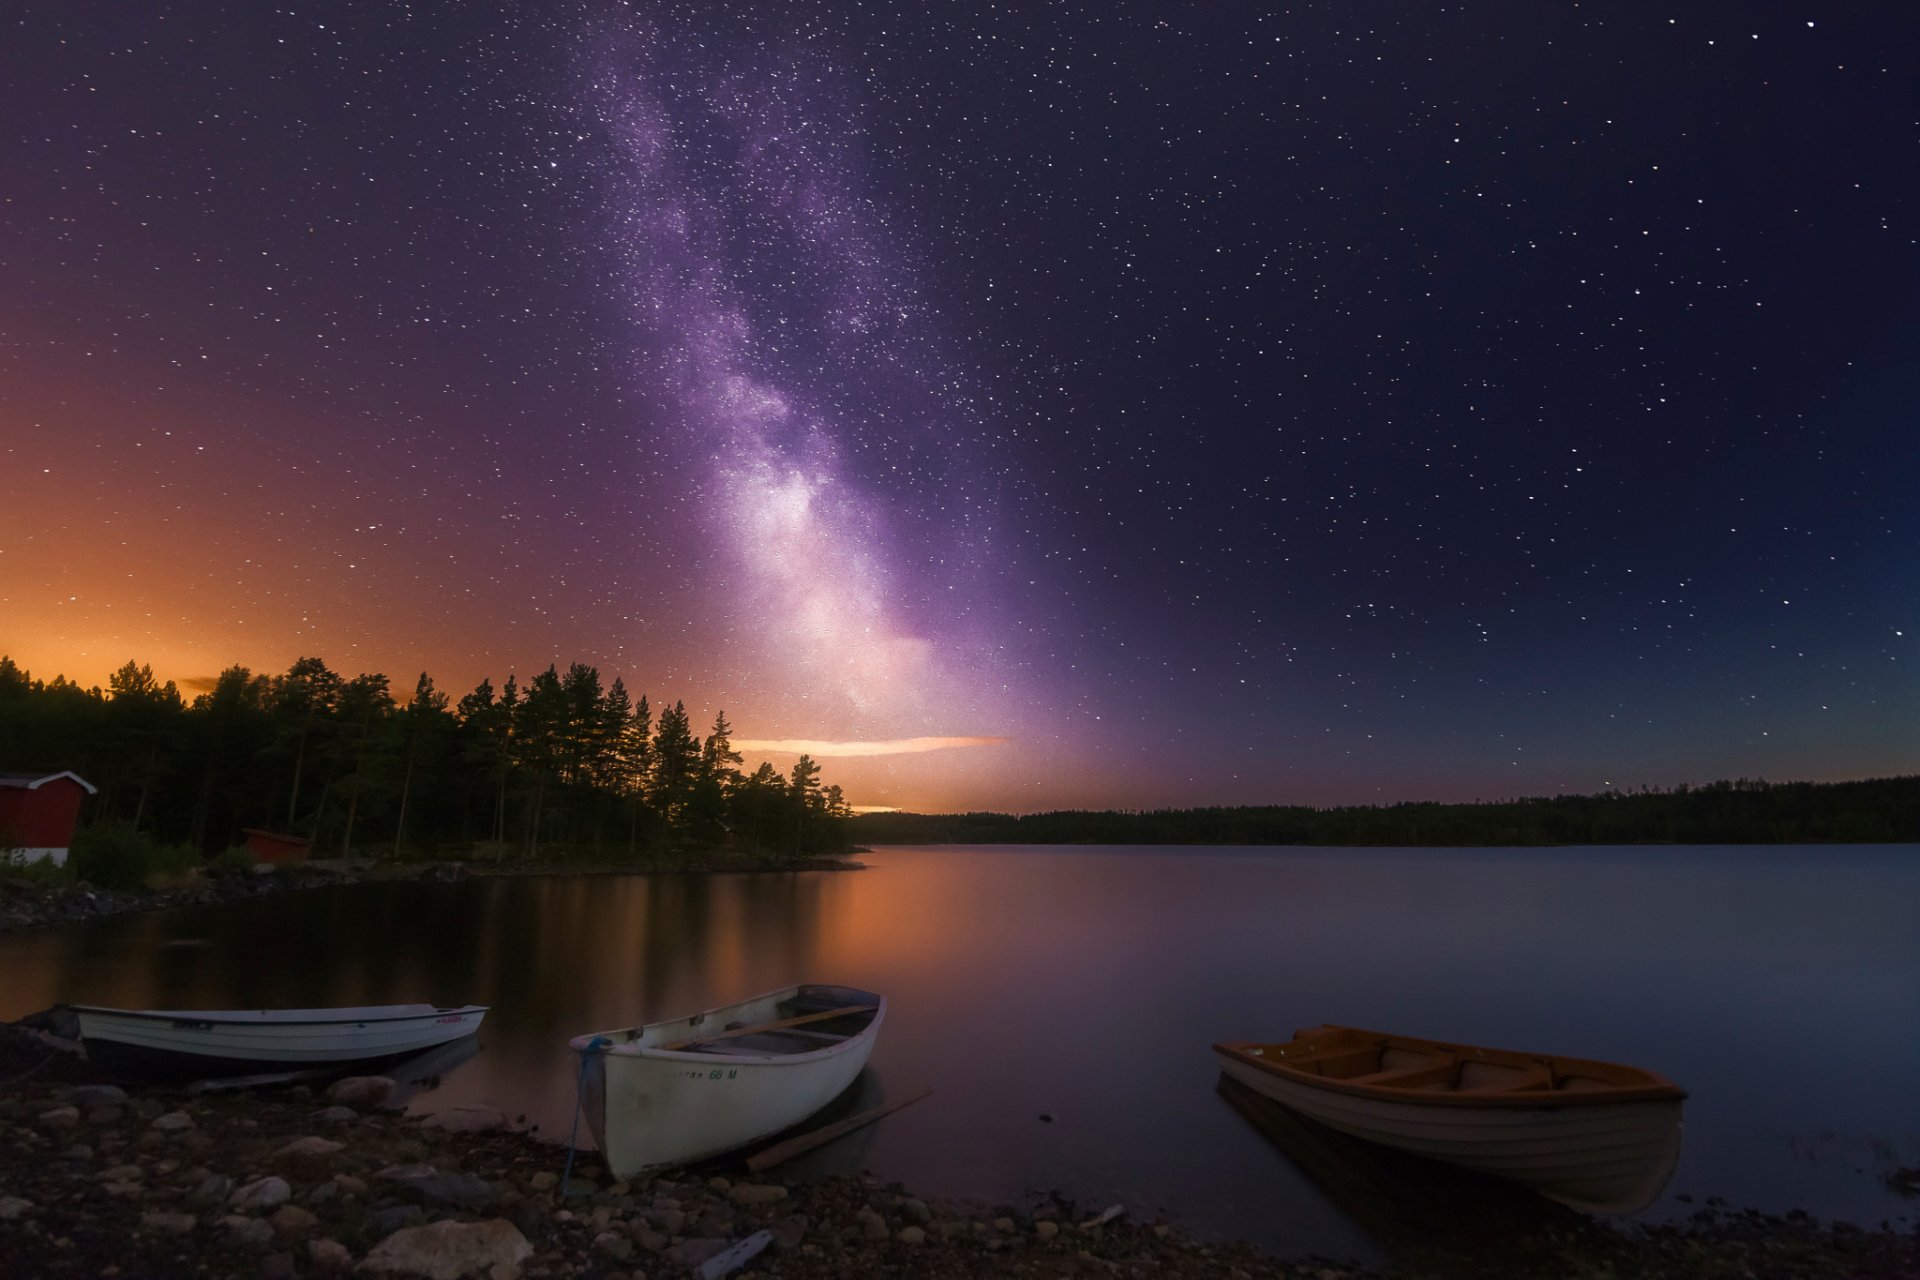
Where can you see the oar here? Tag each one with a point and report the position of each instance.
(792, 1147)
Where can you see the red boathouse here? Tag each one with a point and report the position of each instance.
(38, 812)
(276, 849)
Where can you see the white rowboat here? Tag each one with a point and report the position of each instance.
(1596, 1136)
(225, 1042)
(670, 1093)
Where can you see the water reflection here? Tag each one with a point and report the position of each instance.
(1089, 985)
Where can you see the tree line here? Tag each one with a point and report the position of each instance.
(1740, 812)
(563, 766)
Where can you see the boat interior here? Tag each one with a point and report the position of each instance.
(811, 1019)
(1408, 1064)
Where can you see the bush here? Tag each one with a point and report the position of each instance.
(237, 861)
(112, 855)
(14, 866)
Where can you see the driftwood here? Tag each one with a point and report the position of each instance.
(792, 1147)
(731, 1260)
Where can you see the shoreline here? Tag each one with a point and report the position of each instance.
(300, 1181)
(28, 903)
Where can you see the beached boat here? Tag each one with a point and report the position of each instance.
(1595, 1136)
(672, 1092)
(182, 1043)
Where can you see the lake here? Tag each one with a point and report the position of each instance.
(1085, 984)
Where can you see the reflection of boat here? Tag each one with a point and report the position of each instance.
(1596, 1136)
(671, 1092)
(1425, 1214)
(228, 1042)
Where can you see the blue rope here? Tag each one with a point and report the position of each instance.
(579, 1098)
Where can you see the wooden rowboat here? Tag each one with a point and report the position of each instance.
(182, 1043)
(673, 1092)
(1595, 1136)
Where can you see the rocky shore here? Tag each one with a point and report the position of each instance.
(96, 1180)
(28, 903)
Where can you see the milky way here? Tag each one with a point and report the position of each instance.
(735, 213)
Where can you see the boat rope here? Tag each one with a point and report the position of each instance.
(591, 1047)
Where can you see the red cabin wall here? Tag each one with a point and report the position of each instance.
(43, 818)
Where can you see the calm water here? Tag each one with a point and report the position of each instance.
(1781, 986)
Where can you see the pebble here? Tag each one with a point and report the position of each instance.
(1046, 1230)
(262, 1193)
(172, 1122)
(172, 1224)
(329, 1255)
(292, 1220)
(248, 1231)
(912, 1235)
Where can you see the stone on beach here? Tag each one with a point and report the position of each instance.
(173, 1122)
(292, 1220)
(308, 1148)
(171, 1224)
(361, 1091)
(12, 1207)
(449, 1250)
(467, 1119)
(329, 1255)
(752, 1193)
(425, 1183)
(262, 1193)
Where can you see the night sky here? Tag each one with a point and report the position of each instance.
(1168, 404)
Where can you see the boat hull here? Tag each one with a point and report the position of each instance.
(187, 1043)
(650, 1107)
(1612, 1158)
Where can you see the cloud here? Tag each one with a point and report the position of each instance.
(823, 750)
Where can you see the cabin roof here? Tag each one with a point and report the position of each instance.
(34, 781)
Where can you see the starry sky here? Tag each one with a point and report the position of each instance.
(1019, 405)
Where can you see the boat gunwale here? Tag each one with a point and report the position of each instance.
(1657, 1089)
(629, 1049)
(257, 1018)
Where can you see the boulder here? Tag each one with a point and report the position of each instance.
(448, 1250)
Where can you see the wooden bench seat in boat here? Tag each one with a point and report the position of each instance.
(699, 1043)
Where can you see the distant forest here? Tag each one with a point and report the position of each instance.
(1742, 812)
(563, 766)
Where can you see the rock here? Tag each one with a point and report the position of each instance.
(1003, 1224)
(1046, 1230)
(92, 1095)
(321, 1194)
(467, 1120)
(673, 1221)
(12, 1207)
(720, 1185)
(350, 1185)
(449, 1250)
(912, 1235)
(751, 1193)
(872, 1225)
(172, 1122)
(213, 1190)
(123, 1173)
(292, 1220)
(79, 1153)
(336, 1115)
(916, 1209)
(169, 1224)
(689, 1254)
(60, 1118)
(428, 1185)
(262, 1193)
(329, 1255)
(106, 1114)
(361, 1091)
(789, 1231)
(253, 1232)
(384, 1222)
(545, 1180)
(309, 1148)
(277, 1266)
(614, 1245)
